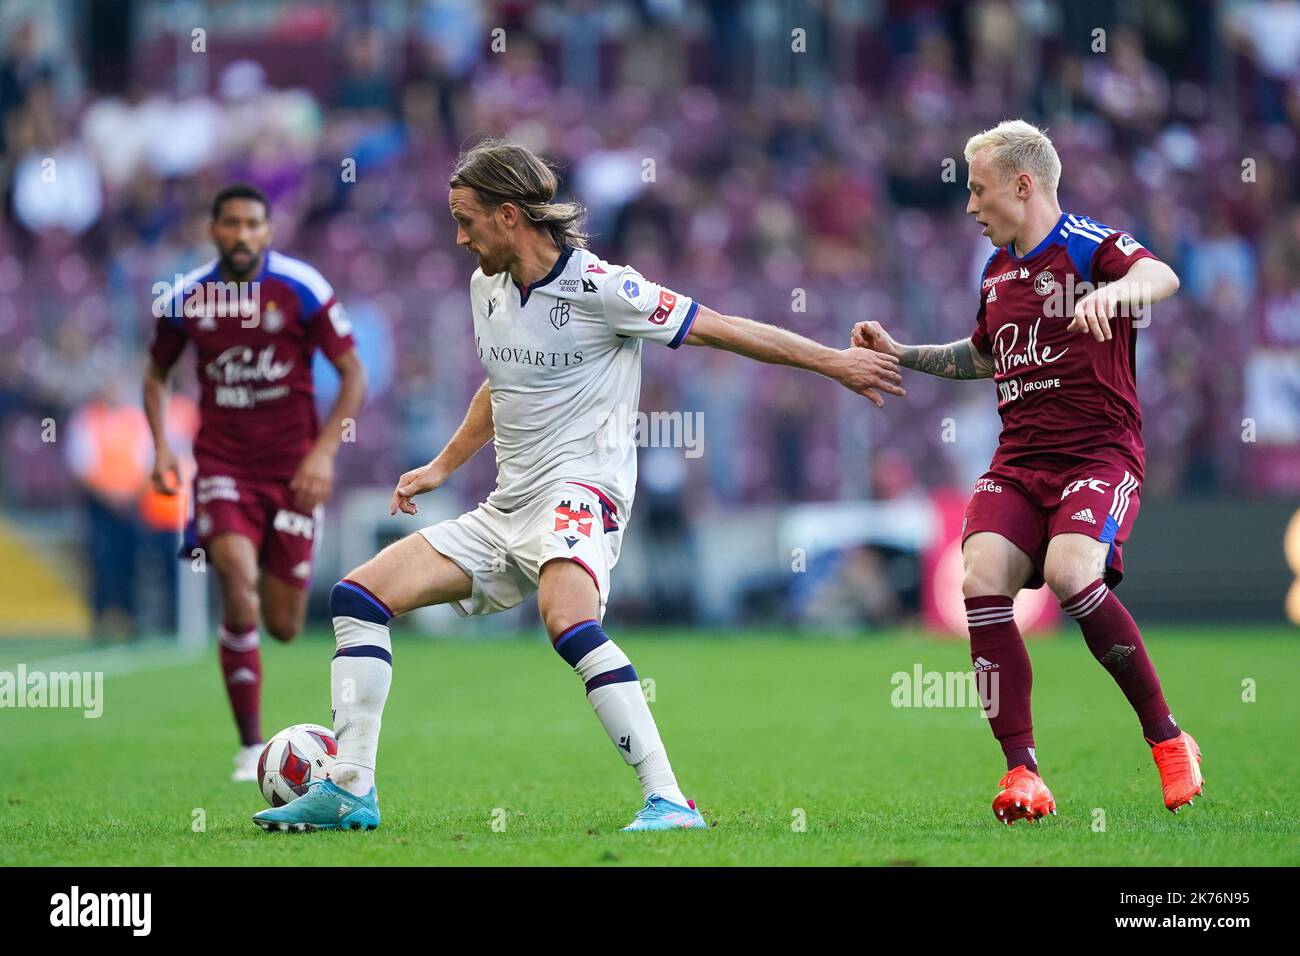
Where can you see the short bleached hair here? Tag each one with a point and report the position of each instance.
(1013, 147)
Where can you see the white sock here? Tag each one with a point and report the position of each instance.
(622, 710)
(656, 776)
(360, 677)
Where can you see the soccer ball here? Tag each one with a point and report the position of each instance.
(293, 760)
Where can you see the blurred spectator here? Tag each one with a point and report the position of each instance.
(1127, 88)
(1269, 32)
(110, 454)
(1218, 258)
(56, 181)
(849, 590)
(22, 68)
(365, 86)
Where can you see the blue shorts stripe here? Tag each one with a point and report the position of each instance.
(365, 650)
(1109, 530)
(620, 676)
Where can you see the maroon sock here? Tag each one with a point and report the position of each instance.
(241, 666)
(1003, 676)
(1115, 641)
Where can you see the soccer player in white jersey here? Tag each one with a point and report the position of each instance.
(560, 333)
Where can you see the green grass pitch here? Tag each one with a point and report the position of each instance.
(765, 732)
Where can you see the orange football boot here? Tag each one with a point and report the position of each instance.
(1179, 763)
(1022, 795)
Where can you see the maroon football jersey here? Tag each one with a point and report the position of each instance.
(254, 345)
(1061, 393)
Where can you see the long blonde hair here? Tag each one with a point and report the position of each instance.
(500, 172)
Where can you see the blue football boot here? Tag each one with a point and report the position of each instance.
(325, 806)
(662, 814)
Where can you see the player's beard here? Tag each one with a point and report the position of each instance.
(495, 261)
(228, 264)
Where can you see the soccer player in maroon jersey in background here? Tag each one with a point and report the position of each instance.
(1061, 495)
(264, 467)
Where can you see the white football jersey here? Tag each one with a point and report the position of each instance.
(563, 362)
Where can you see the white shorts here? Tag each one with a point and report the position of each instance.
(503, 552)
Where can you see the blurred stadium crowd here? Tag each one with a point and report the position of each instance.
(775, 176)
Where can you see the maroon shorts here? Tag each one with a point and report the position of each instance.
(1030, 506)
(262, 511)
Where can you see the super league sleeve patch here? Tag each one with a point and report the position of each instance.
(635, 290)
(338, 318)
(1127, 244)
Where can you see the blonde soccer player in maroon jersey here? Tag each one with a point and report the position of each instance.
(1055, 332)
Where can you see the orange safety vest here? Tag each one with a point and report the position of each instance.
(115, 435)
(119, 437)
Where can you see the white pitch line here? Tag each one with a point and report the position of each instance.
(119, 660)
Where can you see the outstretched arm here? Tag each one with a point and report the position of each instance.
(865, 372)
(959, 360)
(474, 432)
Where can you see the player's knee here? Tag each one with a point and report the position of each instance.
(1067, 579)
(361, 583)
(566, 596)
(979, 582)
(555, 618)
(559, 616)
(284, 620)
(237, 584)
(283, 627)
(240, 603)
(238, 623)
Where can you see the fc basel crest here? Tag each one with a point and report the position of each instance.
(560, 314)
(580, 520)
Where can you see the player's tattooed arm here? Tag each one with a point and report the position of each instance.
(474, 432)
(866, 374)
(957, 360)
